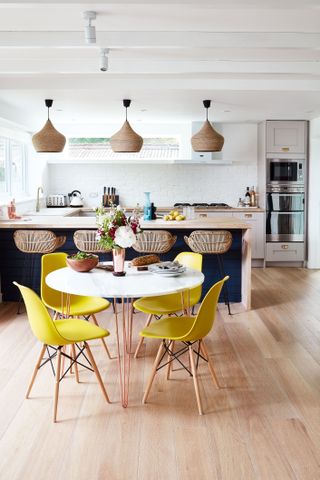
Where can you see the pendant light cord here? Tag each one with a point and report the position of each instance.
(207, 114)
(126, 113)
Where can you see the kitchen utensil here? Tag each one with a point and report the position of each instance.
(75, 199)
(57, 201)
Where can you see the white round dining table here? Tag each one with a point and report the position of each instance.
(135, 284)
(101, 283)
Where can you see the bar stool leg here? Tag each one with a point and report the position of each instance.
(23, 281)
(225, 288)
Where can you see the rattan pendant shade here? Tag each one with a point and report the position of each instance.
(207, 139)
(126, 140)
(48, 139)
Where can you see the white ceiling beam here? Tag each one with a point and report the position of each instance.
(285, 55)
(190, 39)
(23, 66)
(216, 3)
(237, 82)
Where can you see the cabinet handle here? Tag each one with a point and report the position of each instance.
(285, 149)
(284, 247)
(248, 215)
(203, 215)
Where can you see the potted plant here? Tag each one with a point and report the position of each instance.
(117, 232)
(82, 262)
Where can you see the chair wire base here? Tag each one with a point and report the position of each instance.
(175, 355)
(73, 360)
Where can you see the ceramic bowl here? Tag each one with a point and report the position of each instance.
(84, 265)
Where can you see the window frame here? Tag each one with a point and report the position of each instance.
(8, 141)
(123, 156)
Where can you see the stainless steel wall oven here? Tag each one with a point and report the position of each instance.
(285, 215)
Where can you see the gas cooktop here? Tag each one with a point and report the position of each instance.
(202, 205)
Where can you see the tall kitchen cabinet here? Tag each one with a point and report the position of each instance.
(286, 142)
(286, 137)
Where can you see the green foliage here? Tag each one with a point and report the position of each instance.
(81, 256)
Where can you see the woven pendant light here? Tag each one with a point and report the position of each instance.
(48, 139)
(207, 139)
(126, 140)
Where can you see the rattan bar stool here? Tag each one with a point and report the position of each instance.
(35, 243)
(212, 242)
(86, 241)
(154, 241)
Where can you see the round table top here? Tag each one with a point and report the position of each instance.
(135, 284)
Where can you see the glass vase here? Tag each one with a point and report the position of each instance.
(147, 207)
(118, 255)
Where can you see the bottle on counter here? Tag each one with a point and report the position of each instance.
(240, 203)
(12, 209)
(153, 211)
(253, 197)
(247, 198)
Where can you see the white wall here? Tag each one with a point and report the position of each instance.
(167, 183)
(314, 196)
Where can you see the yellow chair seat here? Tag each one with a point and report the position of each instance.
(81, 331)
(160, 305)
(80, 305)
(173, 328)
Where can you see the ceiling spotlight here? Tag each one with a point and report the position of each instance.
(104, 59)
(89, 30)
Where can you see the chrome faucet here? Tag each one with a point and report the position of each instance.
(39, 190)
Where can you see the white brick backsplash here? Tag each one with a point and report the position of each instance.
(167, 183)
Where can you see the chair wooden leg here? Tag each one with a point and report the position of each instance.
(63, 357)
(96, 371)
(170, 364)
(57, 384)
(71, 356)
(74, 356)
(102, 339)
(205, 353)
(36, 369)
(195, 379)
(136, 353)
(153, 373)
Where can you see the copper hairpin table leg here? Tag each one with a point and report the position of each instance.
(124, 350)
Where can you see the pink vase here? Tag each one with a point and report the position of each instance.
(118, 261)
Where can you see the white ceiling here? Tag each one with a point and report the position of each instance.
(255, 59)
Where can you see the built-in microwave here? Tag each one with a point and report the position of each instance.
(285, 172)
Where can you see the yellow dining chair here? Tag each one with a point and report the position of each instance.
(80, 305)
(169, 304)
(57, 334)
(189, 331)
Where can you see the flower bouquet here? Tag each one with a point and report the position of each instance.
(117, 232)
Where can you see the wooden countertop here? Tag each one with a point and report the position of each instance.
(208, 223)
(74, 222)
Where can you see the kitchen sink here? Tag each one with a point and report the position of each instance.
(82, 213)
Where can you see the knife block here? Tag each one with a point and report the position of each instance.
(110, 198)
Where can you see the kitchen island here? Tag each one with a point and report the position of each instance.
(237, 260)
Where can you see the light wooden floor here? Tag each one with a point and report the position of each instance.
(263, 424)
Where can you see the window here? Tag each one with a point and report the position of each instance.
(13, 164)
(156, 148)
